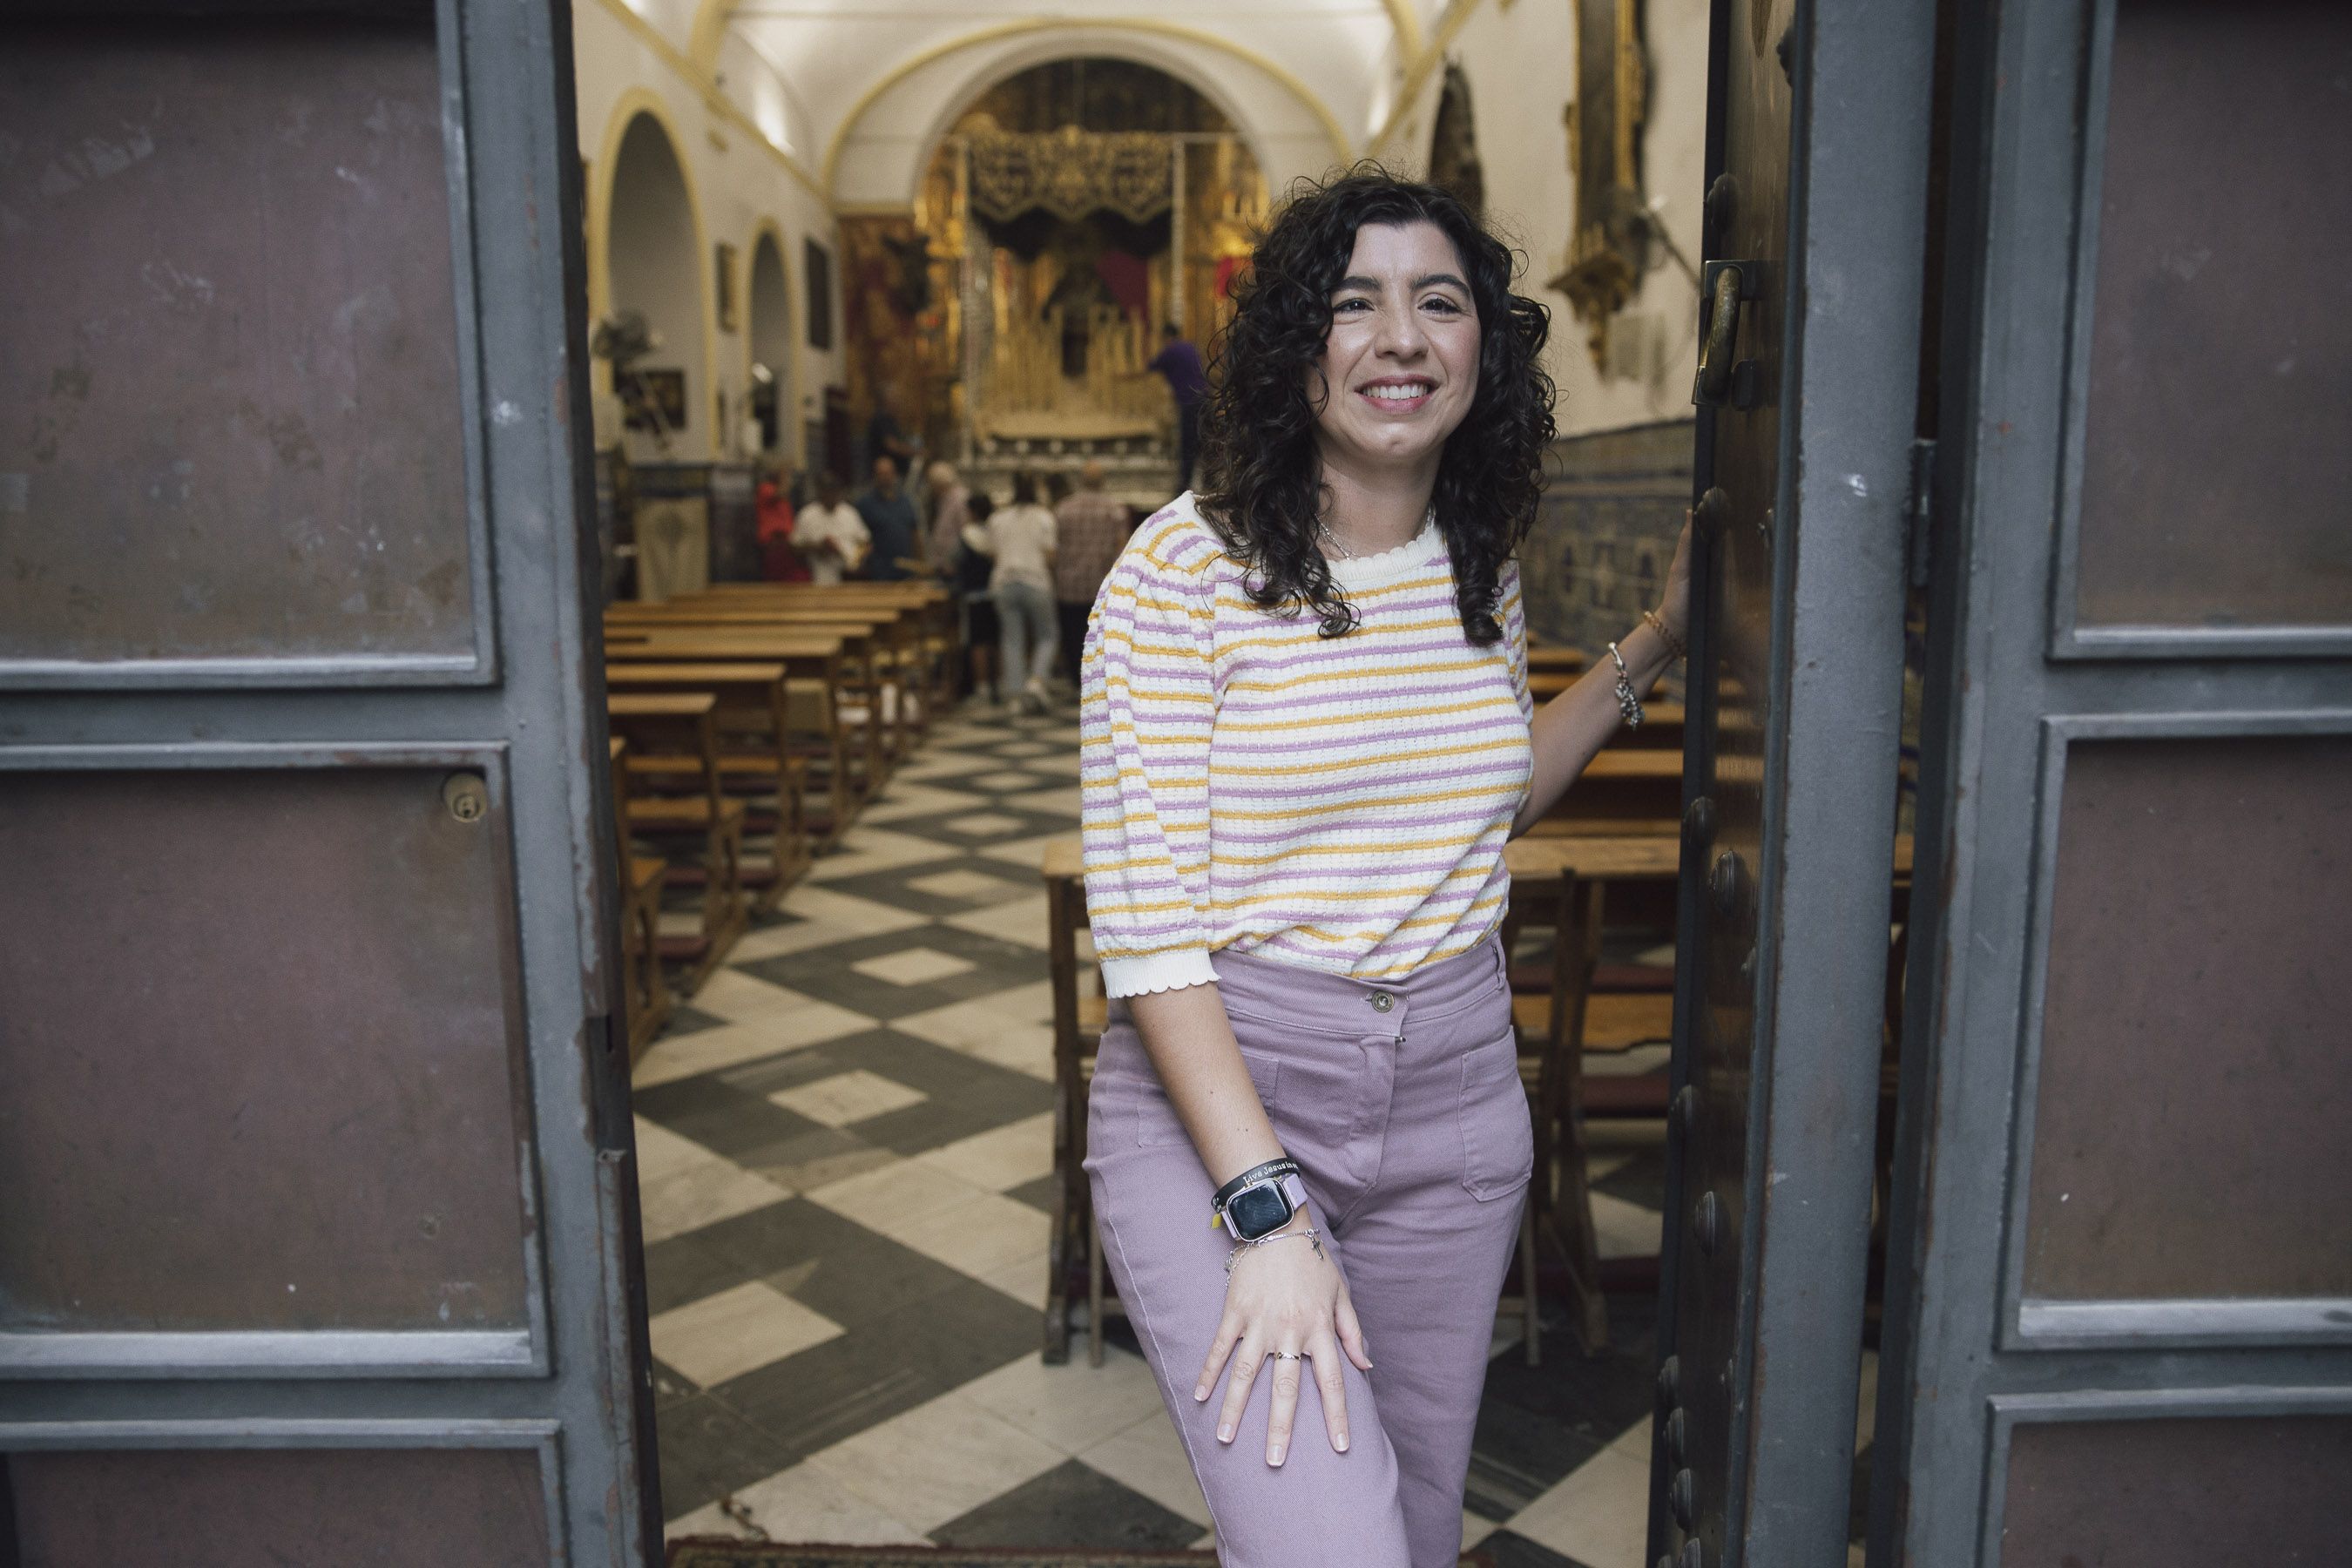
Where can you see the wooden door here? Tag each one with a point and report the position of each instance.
(2119, 1313)
(1817, 161)
(316, 1213)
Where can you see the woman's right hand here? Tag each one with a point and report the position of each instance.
(1284, 1300)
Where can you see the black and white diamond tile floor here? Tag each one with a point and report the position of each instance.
(844, 1156)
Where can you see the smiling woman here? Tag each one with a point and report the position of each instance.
(1370, 278)
(1294, 832)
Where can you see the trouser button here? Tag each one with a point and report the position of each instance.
(1381, 1001)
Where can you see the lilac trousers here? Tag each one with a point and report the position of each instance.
(1402, 1101)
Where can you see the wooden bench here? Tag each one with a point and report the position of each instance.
(859, 703)
(814, 658)
(1078, 1022)
(645, 995)
(934, 609)
(754, 718)
(683, 726)
(1572, 875)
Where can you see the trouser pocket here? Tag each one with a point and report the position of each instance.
(1498, 1141)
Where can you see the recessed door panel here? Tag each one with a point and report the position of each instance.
(240, 434)
(2192, 1039)
(2176, 1492)
(325, 1508)
(2215, 465)
(264, 1060)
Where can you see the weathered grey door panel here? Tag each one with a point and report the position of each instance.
(319, 1230)
(1817, 162)
(2120, 1284)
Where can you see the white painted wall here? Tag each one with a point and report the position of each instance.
(625, 61)
(1521, 63)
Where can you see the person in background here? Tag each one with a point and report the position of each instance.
(1179, 362)
(1057, 488)
(970, 573)
(1090, 529)
(1020, 542)
(780, 562)
(948, 514)
(891, 520)
(832, 536)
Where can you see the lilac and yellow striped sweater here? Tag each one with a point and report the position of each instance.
(1339, 803)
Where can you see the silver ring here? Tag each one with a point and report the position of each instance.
(1286, 1355)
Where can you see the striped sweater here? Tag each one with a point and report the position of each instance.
(1339, 803)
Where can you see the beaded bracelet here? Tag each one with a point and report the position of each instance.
(1673, 644)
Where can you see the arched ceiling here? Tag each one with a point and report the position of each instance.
(1305, 79)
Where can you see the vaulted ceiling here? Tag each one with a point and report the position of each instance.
(867, 84)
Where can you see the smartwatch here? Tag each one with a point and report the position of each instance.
(1260, 1201)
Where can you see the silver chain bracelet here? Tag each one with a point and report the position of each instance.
(1627, 704)
(1310, 1233)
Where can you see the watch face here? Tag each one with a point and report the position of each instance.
(1257, 1210)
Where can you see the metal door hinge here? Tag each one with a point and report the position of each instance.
(1921, 517)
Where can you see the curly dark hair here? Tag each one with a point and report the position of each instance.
(1265, 490)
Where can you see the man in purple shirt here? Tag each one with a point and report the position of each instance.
(1180, 361)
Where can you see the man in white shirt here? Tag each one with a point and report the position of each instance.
(830, 533)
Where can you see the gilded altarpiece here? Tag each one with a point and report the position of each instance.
(1023, 295)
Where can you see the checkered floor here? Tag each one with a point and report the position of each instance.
(844, 1148)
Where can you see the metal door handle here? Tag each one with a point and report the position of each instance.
(1713, 384)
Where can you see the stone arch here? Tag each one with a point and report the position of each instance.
(648, 250)
(770, 335)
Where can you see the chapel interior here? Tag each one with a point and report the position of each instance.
(828, 949)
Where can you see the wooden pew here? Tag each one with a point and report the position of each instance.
(1571, 877)
(1078, 1023)
(914, 624)
(807, 656)
(1626, 790)
(683, 725)
(858, 676)
(646, 993)
(756, 755)
(932, 608)
(881, 644)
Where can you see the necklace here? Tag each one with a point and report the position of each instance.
(1333, 541)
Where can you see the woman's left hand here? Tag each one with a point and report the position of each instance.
(1675, 610)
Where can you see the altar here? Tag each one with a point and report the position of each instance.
(1067, 219)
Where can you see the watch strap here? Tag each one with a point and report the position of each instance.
(1267, 1171)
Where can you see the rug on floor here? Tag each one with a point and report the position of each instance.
(721, 1551)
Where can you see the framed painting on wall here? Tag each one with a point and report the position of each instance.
(654, 400)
